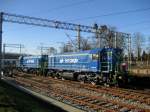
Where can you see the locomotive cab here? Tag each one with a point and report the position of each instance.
(110, 61)
(106, 61)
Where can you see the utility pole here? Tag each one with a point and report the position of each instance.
(78, 37)
(20, 48)
(99, 39)
(1, 22)
(129, 52)
(41, 48)
(115, 40)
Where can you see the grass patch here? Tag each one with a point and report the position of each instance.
(13, 100)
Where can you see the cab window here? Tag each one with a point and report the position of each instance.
(109, 53)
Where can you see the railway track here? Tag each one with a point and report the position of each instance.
(61, 95)
(87, 97)
(127, 94)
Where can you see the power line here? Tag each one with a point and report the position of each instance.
(131, 26)
(140, 29)
(70, 5)
(65, 6)
(136, 23)
(144, 28)
(112, 14)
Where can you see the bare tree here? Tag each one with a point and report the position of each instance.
(51, 50)
(85, 44)
(148, 47)
(67, 47)
(72, 44)
(148, 51)
(138, 39)
(93, 42)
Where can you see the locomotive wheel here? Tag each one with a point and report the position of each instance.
(93, 83)
(82, 78)
(55, 78)
(106, 85)
(52, 74)
(75, 76)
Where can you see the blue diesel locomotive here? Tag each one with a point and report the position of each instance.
(32, 64)
(97, 65)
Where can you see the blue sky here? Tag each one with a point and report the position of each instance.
(75, 11)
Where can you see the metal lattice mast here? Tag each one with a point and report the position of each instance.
(78, 37)
(45, 22)
(1, 22)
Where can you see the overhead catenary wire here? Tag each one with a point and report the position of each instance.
(112, 14)
(136, 23)
(142, 28)
(69, 5)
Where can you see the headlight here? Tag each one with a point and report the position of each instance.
(120, 77)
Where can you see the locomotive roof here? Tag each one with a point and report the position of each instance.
(81, 52)
(33, 56)
(92, 51)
